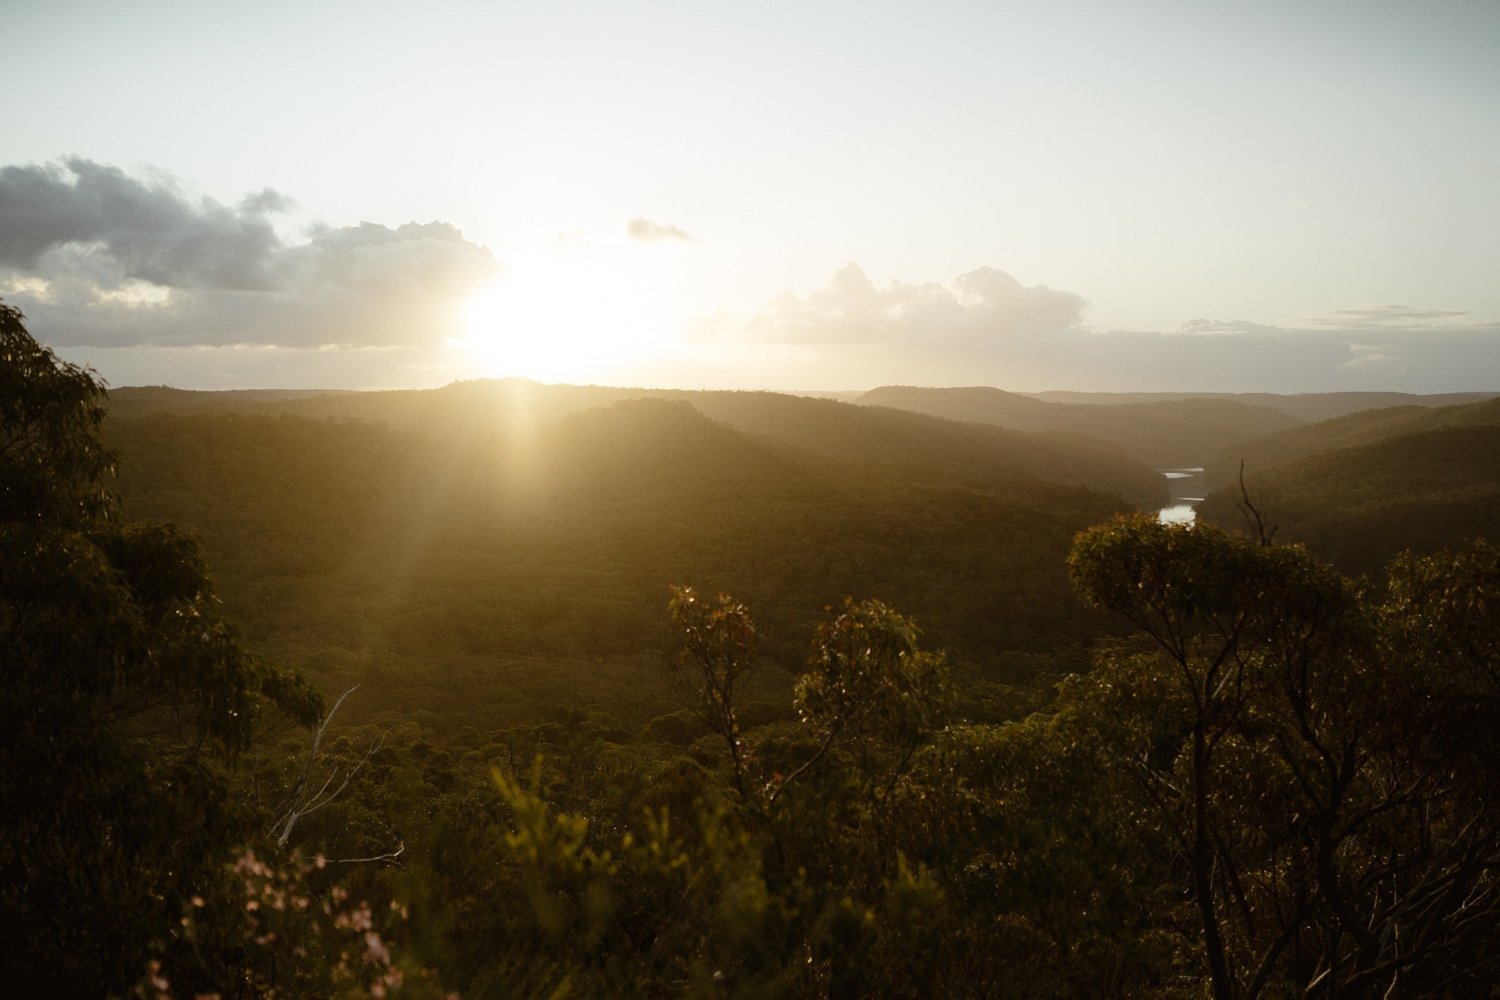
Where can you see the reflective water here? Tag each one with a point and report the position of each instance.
(1178, 513)
(1180, 482)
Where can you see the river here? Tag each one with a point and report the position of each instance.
(1184, 489)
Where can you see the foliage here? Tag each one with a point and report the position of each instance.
(1361, 490)
(126, 694)
(1307, 761)
(450, 576)
(263, 931)
(1269, 780)
(53, 467)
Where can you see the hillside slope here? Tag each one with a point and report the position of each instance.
(1166, 433)
(477, 577)
(1359, 505)
(904, 444)
(1350, 431)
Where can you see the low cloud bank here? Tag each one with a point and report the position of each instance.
(986, 327)
(984, 306)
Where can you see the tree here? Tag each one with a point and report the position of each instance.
(868, 690)
(125, 696)
(1302, 744)
(54, 469)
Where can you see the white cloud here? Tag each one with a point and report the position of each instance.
(985, 327)
(983, 306)
(1393, 317)
(650, 231)
(1214, 327)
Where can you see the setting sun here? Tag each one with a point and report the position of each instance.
(575, 311)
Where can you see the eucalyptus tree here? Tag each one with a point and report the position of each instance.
(1319, 755)
(125, 692)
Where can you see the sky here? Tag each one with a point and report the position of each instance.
(1153, 195)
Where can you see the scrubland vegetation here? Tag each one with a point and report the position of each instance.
(672, 694)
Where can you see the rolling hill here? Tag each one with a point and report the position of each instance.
(477, 575)
(1361, 488)
(1162, 433)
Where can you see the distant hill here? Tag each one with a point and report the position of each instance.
(1311, 406)
(1166, 433)
(904, 443)
(1361, 488)
(471, 404)
(1352, 430)
(929, 448)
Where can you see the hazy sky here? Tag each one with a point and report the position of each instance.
(1143, 194)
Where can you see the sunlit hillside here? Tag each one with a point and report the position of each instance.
(476, 551)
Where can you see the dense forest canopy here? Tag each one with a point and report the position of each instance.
(602, 692)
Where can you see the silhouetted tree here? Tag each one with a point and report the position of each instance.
(125, 693)
(1322, 759)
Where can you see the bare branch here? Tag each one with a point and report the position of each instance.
(389, 856)
(1251, 514)
(299, 802)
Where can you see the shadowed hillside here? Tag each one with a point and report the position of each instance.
(1175, 432)
(1354, 430)
(1308, 406)
(1358, 505)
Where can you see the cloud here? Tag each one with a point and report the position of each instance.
(266, 201)
(649, 231)
(1214, 327)
(983, 306)
(96, 257)
(985, 327)
(149, 231)
(1392, 317)
(1240, 356)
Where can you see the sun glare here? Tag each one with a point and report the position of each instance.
(573, 312)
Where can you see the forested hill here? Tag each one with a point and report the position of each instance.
(1352, 430)
(476, 577)
(930, 448)
(1361, 488)
(1306, 406)
(1167, 433)
(904, 444)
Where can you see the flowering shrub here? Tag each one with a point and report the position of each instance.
(270, 934)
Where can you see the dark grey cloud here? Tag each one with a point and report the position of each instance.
(151, 231)
(650, 231)
(96, 257)
(982, 306)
